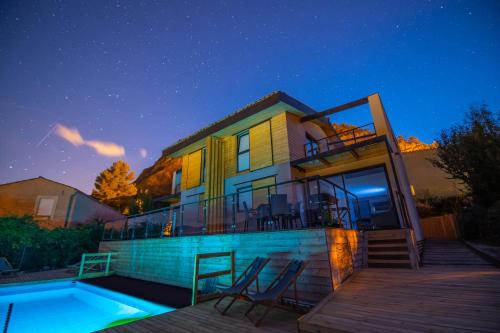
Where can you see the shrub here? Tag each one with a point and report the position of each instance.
(27, 245)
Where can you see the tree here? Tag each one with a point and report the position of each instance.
(470, 152)
(114, 185)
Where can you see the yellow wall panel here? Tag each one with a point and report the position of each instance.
(184, 172)
(261, 153)
(194, 169)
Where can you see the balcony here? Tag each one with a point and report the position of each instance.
(305, 203)
(323, 152)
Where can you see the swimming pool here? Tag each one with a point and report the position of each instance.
(70, 306)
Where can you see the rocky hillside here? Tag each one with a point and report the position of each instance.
(405, 145)
(157, 179)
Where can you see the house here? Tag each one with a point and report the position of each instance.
(52, 204)
(276, 179)
(279, 146)
(427, 180)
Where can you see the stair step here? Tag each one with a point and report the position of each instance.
(388, 261)
(386, 241)
(388, 256)
(386, 248)
(388, 265)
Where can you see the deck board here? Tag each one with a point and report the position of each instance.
(440, 299)
(203, 318)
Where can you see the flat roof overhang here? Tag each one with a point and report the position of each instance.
(348, 152)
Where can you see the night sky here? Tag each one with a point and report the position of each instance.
(83, 84)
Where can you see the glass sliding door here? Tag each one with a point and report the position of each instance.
(376, 209)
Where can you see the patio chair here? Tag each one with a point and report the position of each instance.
(274, 293)
(240, 286)
(265, 218)
(250, 217)
(295, 215)
(279, 208)
(6, 267)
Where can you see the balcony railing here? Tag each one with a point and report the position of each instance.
(304, 203)
(341, 139)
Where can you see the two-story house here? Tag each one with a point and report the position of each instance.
(277, 163)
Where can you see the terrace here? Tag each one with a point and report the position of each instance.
(305, 203)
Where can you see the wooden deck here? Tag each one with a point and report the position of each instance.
(434, 299)
(54, 274)
(203, 318)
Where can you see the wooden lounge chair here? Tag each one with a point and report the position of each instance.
(277, 289)
(240, 286)
(6, 267)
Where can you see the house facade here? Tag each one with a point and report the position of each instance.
(52, 204)
(279, 148)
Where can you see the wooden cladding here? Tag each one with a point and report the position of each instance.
(230, 155)
(279, 138)
(214, 184)
(261, 149)
(191, 170)
(268, 145)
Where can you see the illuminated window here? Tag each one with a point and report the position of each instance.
(243, 152)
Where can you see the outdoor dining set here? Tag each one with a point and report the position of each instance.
(279, 214)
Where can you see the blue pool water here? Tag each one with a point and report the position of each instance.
(68, 306)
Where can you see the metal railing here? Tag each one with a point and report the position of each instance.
(303, 203)
(341, 139)
(95, 265)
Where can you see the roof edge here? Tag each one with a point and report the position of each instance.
(252, 108)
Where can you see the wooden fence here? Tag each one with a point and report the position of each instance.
(442, 227)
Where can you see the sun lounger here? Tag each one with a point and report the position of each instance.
(277, 289)
(240, 286)
(6, 267)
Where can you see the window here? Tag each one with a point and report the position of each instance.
(45, 206)
(203, 164)
(243, 152)
(312, 147)
(176, 186)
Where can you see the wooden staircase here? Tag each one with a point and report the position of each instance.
(388, 249)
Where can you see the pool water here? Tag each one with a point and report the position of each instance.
(70, 306)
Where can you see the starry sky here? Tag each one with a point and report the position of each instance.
(84, 83)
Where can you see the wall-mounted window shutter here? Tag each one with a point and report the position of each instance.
(261, 150)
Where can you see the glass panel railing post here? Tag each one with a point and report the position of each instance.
(233, 209)
(174, 223)
(348, 208)
(204, 218)
(339, 222)
(181, 229)
(270, 221)
(123, 228)
(147, 226)
(163, 223)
